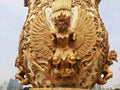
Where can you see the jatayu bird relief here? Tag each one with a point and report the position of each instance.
(64, 44)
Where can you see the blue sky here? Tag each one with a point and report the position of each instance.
(12, 18)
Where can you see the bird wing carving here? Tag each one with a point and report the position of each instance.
(40, 36)
(85, 34)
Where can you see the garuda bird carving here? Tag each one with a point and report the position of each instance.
(64, 43)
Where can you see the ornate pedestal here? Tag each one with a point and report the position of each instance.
(58, 89)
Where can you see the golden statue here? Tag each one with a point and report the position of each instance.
(64, 44)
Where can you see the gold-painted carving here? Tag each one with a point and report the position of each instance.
(64, 44)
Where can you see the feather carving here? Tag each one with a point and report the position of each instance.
(40, 37)
(85, 34)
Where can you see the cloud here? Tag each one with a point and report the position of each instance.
(12, 17)
(10, 3)
(5, 2)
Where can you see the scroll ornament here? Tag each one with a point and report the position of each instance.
(64, 44)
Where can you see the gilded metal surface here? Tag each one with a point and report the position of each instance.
(64, 44)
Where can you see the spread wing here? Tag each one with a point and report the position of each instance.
(85, 34)
(40, 37)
